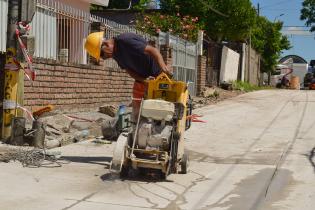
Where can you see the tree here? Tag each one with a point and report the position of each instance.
(269, 42)
(235, 20)
(308, 13)
(223, 20)
(186, 26)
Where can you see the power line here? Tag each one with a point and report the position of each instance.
(296, 30)
(300, 35)
(297, 26)
(282, 9)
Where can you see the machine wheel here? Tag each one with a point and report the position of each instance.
(124, 171)
(189, 112)
(184, 163)
(163, 176)
(119, 155)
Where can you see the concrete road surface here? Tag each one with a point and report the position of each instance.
(255, 152)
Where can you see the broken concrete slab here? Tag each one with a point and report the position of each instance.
(109, 110)
(208, 92)
(53, 143)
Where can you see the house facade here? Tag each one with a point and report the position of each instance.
(68, 79)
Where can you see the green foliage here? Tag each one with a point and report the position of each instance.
(238, 23)
(308, 13)
(186, 27)
(141, 5)
(269, 42)
(234, 24)
(244, 86)
(222, 20)
(235, 27)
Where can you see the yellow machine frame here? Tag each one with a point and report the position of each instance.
(169, 90)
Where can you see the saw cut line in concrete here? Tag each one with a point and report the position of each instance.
(289, 145)
(199, 203)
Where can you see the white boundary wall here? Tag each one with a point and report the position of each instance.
(229, 65)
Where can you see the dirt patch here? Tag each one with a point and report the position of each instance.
(217, 95)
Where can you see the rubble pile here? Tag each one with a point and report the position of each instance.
(63, 129)
(213, 95)
(60, 129)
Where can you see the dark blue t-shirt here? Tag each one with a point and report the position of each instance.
(129, 54)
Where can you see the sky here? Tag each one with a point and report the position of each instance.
(288, 11)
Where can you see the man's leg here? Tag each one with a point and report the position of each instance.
(139, 89)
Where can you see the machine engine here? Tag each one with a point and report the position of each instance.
(155, 127)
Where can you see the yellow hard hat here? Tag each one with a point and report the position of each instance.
(93, 44)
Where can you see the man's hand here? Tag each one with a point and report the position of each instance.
(158, 58)
(167, 71)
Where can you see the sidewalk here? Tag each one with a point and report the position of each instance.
(52, 187)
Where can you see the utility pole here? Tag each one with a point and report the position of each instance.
(11, 70)
(250, 45)
(18, 10)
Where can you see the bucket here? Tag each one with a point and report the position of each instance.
(295, 83)
(18, 127)
(39, 134)
(63, 55)
(122, 109)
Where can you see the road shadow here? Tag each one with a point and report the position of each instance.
(102, 160)
(311, 156)
(136, 175)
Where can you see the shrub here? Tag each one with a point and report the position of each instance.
(186, 27)
(244, 86)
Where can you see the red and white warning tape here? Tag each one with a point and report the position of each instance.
(9, 104)
(29, 71)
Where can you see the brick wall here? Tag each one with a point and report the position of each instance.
(201, 73)
(72, 87)
(77, 87)
(167, 55)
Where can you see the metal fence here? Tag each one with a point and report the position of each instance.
(3, 24)
(113, 29)
(185, 59)
(60, 31)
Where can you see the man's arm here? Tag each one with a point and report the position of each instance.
(157, 57)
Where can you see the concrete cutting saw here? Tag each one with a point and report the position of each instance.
(156, 140)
